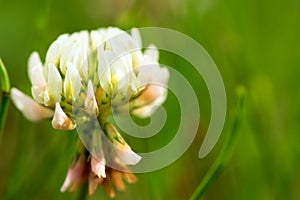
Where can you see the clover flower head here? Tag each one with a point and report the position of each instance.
(98, 73)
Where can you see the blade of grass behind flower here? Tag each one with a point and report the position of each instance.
(226, 151)
(5, 87)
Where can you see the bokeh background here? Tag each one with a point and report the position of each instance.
(254, 43)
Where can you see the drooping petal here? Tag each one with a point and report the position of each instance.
(60, 120)
(76, 175)
(127, 156)
(123, 150)
(54, 82)
(98, 167)
(117, 179)
(94, 182)
(108, 188)
(29, 108)
(72, 82)
(90, 103)
(35, 71)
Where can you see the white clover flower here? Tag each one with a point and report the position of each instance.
(98, 70)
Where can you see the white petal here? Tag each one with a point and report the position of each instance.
(90, 103)
(47, 99)
(135, 33)
(152, 52)
(38, 94)
(161, 76)
(54, 52)
(104, 72)
(35, 71)
(54, 82)
(72, 82)
(96, 39)
(60, 120)
(152, 73)
(29, 108)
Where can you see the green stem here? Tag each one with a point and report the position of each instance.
(83, 193)
(5, 88)
(226, 151)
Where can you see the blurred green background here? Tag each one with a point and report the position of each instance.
(254, 43)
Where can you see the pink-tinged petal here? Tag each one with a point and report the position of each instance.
(149, 95)
(98, 167)
(60, 120)
(29, 108)
(76, 175)
(127, 156)
(35, 71)
(148, 109)
(90, 103)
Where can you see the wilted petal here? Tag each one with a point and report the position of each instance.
(60, 120)
(35, 71)
(90, 103)
(117, 179)
(108, 188)
(72, 82)
(94, 181)
(76, 175)
(29, 108)
(54, 82)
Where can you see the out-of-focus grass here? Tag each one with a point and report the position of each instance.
(254, 43)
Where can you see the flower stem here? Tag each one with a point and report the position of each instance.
(226, 151)
(83, 193)
(5, 87)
